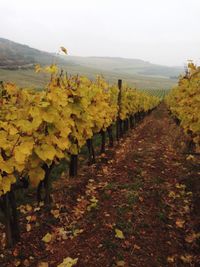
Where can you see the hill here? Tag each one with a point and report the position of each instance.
(15, 56)
(126, 65)
(17, 64)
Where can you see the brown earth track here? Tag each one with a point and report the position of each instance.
(139, 189)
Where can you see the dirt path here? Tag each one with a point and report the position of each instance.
(139, 189)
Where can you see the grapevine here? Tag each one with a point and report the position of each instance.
(184, 102)
(38, 129)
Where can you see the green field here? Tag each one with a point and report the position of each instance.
(28, 78)
(157, 92)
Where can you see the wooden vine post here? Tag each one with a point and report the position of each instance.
(132, 121)
(91, 151)
(103, 141)
(9, 209)
(110, 136)
(119, 122)
(73, 166)
(46, 185)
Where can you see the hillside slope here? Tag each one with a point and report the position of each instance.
(13, 55)
(126, 65)
(136, 72)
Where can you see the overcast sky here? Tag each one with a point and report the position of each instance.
(160, 31)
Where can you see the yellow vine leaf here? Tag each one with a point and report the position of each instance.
(38, 127)
(12, 130)
(6, 182)
(52, 69)
(47, 238)
(45, 152)
(23, 150)
(38, 68)
(6, 166)
(36, 175)
(68, 262)
(119, 234)
(74, 149)
(49, 116)
(63, 49)
(93, 205)
(76, 232)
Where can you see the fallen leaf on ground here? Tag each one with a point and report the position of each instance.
(55, 213)
(170, 259)
(28, 207)
(180, 223)
(136, 247)
(62, 233)
(192, 237)
(15, 252)
(186, 258)
(26, 263)
(28, 227)
(119, 234)
(47, 238)
(190, 157)
(17, 263)
(120, 263)
(141, 199)
(68, 262)
(43, 264)
(76, 232)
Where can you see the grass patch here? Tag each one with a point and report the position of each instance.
(126, 226)
(158, 180)
(143, 224)
(162, 217)
(136, 156)
(111, 186)
(132, 186)
(92, 214)
(105, 196)
(132, 198)
(56, 172)
(122, 210)
(138, 171)
(109, 244)
(119, 256)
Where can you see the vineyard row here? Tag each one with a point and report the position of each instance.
(39, 129)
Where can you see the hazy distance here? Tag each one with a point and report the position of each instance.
(162, 32)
